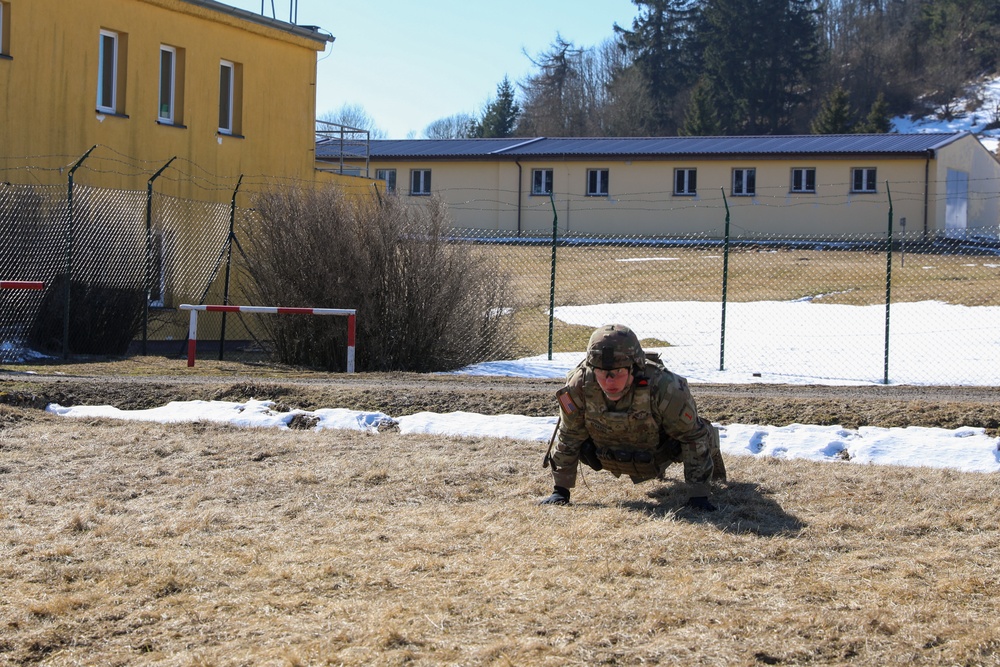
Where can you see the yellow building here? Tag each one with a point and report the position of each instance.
(227, 91)
(209, 100)
(815, 185)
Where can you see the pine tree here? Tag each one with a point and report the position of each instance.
(660, 44)
(877, 121)
(759, 55)
(701, 119)
(501, 114)
(835, 117)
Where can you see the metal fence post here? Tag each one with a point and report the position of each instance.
(725, 287)
(229, 262)
(69, 250)
(888, 287)
(552, 279)
(149, 251)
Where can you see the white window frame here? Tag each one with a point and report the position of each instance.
(4, 20)
(389, 176)
(745, 182)
(800, 179)
(598, 181)
(541, 182)
(168, 115)
(685, 181)
(420, 182)
(868, 180)
(103, 104)
(226, 101)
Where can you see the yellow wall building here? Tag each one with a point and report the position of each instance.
(816, 185)
(227, 91)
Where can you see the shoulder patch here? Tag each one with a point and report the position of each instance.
(566, 401)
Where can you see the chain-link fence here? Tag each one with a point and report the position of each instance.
(117, 264)
(826, 310)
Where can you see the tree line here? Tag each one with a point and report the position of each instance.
(750, 67)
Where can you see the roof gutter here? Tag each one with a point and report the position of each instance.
(307, 32)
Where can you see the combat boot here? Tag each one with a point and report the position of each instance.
(560, 496)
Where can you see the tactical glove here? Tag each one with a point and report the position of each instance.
(701, 503)
(560, 496)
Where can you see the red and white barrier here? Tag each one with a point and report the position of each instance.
(21, 284)
(278, 310)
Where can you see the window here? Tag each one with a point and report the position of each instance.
(4, 29)
(744, 182)
(111, 73)
(389, 176)
(597, 182)
(685, 181)
(420, 181)
(804, 180)
(169, 70)
(863, 179)
(541, 181)
(230, 97)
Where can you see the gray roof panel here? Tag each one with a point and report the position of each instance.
(563, 147)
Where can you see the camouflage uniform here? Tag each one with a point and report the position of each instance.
(655, 423)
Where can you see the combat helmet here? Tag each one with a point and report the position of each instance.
(614, 346)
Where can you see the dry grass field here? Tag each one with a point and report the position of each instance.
(128, 543)
(198, 545)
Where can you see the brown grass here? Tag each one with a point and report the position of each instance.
(127, 543)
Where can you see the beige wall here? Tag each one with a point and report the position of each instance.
(48, 97)
(969, 156)
(484, 195)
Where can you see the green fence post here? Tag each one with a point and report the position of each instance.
(149, 250)
(552, 279)
(725, 286)
(229, 262)
(69, 251)
(888, 287)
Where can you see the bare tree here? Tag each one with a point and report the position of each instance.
(355, 115)
(459, 126)
(575, 91)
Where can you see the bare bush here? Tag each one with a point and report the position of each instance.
(102, 319)
(424, 302)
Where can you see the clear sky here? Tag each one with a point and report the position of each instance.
(411, 62)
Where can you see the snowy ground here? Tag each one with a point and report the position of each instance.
(970, 121)
(966, 449)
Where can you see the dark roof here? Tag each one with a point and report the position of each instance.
(562, 147)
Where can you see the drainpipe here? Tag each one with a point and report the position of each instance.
(927, 171)
(518, 163)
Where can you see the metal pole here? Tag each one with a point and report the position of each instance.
(552, 279)
(725, 287)
(149, 250)
(229, 262)
(888, 287)
(69, 251)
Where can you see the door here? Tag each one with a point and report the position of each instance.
(956, 208)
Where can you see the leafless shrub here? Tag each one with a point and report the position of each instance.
(102, 319)
(424, 302)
